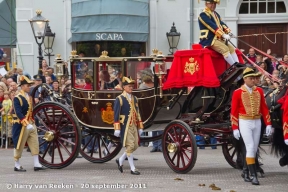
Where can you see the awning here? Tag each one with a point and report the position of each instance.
(110, 20)
(7, 23)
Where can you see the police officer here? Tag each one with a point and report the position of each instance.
(24, 129)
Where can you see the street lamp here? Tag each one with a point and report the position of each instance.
(39, 25)
(173, 38)
(48, 42)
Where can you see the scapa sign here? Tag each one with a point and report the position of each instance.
(109, 36)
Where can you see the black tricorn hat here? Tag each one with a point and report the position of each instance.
(127, 81)
(25, 80)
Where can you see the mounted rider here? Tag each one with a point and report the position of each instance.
(214, 32)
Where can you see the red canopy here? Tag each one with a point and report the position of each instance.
(197, 67)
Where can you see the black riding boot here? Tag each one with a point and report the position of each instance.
(245, 173)
(252, 169)
(258, 168)
(284, 160)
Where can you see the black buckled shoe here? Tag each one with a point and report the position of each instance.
(20, 169)
(135, 172)
(119, 167)
(39, 168)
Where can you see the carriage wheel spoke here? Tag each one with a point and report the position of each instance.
(230, 148)
(63, 139)
(185, 155)
(233, 153)
(53, 150)
(99, 147)
(46, 150)
(64, 125)
(178, 159)
(187, 149)
(42, 123)
(59, 151)
(182, 140)
(45, 113)
(87, 143)
(172, 160)
(105, 145)
(173, 139)
(59, 121)
(54, 123)
(182, 159)
(64, 147)
(93, 146)
(67, 133)
(176, 135)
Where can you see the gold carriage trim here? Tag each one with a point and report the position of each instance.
(117, 126)
(107, 114)
(191, 66)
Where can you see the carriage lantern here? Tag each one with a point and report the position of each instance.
(160, 69)
(59, 68)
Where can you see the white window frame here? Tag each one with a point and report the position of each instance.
(262, 1)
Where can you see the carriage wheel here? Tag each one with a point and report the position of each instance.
(59, 134)
(98, 147)
(179, 147)
(230, 153)
(45, 93)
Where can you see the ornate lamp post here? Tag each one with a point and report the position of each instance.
(59, 69)
(48, 42)
(173, 38)
(39, 25)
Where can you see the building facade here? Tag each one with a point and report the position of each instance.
(141, 25)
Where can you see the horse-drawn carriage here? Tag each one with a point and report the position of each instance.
(191, 96)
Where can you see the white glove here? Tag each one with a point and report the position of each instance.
(236, 134)
(29, 126)
(140, 131)
(117, 133)
(268, 130)
(226, 37)
(286, 141)
(231, 35)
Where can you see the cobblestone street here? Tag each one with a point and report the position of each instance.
(82, 175)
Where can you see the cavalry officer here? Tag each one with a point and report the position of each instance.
(127, 123)
(214, 32)
(248, 104)
(24, 129)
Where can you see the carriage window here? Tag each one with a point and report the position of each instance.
(109, 75)
(83, 74)
(141, 72)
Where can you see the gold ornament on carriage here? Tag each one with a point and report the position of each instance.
(104, 54)
(85, 110)
(107, 114)
(191, 66)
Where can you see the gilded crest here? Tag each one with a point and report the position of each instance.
(191, 66)
(108, 114)
(85, 110)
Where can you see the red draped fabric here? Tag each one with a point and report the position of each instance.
(197, 67)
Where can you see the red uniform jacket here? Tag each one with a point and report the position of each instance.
(248, 106)
(284, 102)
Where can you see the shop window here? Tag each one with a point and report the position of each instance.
(262, 7)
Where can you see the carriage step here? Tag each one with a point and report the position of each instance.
(208, 97)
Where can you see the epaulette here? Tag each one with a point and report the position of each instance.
(120, 100)
(20, 100)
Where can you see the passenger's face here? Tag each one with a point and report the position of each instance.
(251, 51)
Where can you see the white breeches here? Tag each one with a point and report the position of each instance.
(250, 131)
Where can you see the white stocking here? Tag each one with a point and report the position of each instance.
(235, 57)
(122, 158)
(17, 164)
(131, 162)
(229, 59)
(109, 147)
(36, 161)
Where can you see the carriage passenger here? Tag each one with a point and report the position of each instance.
(247, 106)
(105, 81)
